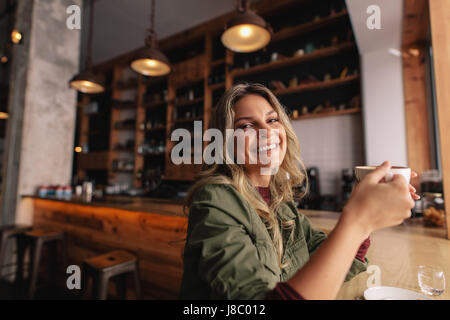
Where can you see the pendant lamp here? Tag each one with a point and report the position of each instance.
(150, 61)
(246, 32)
(87, 81)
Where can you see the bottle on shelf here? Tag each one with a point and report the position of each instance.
(309, 47)
(305, 110)
(293, 82)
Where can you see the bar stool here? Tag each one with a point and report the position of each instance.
(7, 233)
(113, 264)
(36, 239)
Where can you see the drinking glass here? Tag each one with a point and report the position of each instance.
(431, 280)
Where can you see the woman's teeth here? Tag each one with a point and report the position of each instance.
(269, 147)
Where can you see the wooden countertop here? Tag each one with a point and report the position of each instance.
(397, 251)
(140, 204)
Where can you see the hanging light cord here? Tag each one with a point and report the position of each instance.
(151, 35)
(152, 17)
(242, 5)
(90, 38)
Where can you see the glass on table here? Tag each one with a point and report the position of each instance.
(431, 280)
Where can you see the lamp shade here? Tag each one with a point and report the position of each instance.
(150, 61)
(246, 32)
(87, 82)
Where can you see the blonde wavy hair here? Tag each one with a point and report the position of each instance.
(292, 172)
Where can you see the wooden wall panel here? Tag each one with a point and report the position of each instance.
(440, 33)
(415, 30)
(417, 115)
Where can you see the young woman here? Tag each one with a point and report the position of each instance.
(245, 237)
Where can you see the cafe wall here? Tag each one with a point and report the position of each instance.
(331, 144)
(384, 113)
(381, 79)
(48, 112)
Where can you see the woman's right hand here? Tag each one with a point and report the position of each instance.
(374, 205)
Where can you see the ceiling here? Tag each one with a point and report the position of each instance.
(120, 25)
(391, 17)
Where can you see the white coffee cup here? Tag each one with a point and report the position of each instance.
(362, 171)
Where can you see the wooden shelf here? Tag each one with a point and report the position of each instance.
(317, 54)
(122, 171)
(127, 87)
(155, 104)
(125, 128)
(130, 150)
(125, 108)
(161, 128)
(154, 80)
(217, 63)
(189, 103)
(289, 32)
(217, 86)
(188, 83)
(93, 133)
(152, 154)
(131, 83)
(328, 114)
(188, 120)
(316, 85)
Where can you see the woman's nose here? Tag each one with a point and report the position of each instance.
(265, 129)
(264, 132)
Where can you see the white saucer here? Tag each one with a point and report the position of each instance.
(392, 293)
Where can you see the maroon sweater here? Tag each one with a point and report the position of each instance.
(283, 290)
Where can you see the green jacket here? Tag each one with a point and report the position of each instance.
(229, 253)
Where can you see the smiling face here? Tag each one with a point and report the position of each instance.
(266, 148)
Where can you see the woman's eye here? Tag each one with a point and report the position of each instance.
(273, 120)
(245, 126)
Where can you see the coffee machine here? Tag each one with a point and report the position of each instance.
(348, 182)
(313, 198)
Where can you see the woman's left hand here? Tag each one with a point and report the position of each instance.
(412, 190)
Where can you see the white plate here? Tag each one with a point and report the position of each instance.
(392, 293)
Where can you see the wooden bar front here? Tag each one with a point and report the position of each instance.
(156, 237)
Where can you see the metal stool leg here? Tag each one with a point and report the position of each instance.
(21, 248)
(52, 261)
(121, 286)
(103, 287)
(95, 287)
(3, 242)
(84, 282)
(137, 282)
(36, 250)
(64, 252)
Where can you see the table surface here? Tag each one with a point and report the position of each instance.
(397, 251)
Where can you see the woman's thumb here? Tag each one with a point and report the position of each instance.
(379, 173)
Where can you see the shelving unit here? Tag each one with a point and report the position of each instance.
(122, 136)
(317, 85)
(328, 114)
(203, 69)
(286, 62)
